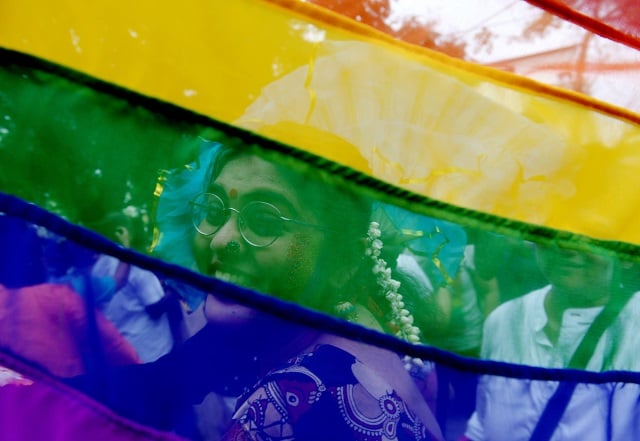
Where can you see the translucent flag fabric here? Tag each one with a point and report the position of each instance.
(227, 380)
(615, 19)
(511, 176)
(279, 224)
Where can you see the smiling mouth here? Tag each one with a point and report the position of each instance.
(235, 279)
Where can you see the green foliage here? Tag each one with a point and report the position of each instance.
(79, 152)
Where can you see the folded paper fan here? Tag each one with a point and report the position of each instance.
(416, 128)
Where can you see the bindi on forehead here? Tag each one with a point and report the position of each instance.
(233, 193)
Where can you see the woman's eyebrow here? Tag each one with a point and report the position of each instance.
(273, 197)
(259, 194)
(216, 189)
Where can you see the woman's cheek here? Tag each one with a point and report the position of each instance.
(200, 247)
(301, 260)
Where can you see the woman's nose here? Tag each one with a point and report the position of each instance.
(227, 233)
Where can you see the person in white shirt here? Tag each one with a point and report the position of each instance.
(544, 328)
(139, 306)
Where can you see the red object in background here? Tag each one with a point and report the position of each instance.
(618, 20)
(48, 325)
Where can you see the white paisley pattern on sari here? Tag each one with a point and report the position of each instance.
(322, 395)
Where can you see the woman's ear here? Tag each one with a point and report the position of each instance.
(123, 237)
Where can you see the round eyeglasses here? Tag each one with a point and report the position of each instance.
(259, 223)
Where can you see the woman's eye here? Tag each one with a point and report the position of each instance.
(264, 222)
(215, 215)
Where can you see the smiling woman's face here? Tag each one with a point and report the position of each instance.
(282, 269)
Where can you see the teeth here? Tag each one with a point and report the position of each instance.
(231, 278)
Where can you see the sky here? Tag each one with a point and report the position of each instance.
(506, 19)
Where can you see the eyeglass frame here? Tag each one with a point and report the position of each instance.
(239, 220)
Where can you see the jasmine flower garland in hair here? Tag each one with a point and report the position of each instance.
(401, 317)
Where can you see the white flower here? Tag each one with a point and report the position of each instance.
(401, 317)
(406, 320)
(374, 230)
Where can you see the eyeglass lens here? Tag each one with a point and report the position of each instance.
(260, 223)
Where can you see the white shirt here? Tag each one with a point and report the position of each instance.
(150, 337)
(508, 409)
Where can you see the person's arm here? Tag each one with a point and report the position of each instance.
(162, 392)
(155, 310)
(474, 430)
(475, 425)
(121, 274)
(151, 293)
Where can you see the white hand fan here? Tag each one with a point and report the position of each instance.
(416, 127)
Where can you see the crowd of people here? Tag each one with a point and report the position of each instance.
(219, 369)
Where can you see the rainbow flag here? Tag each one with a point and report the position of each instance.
(459, 209)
